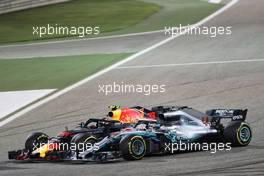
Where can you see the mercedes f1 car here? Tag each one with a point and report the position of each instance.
(175, 125)
(172, 125)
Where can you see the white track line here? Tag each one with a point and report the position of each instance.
(214, 1)
(82, 39)
(67, 89)
(192, 64)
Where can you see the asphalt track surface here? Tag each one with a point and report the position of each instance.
(126, 44)
(200, 86)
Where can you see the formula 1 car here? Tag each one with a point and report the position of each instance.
(176, 125)
(192, 124)
(40, 145)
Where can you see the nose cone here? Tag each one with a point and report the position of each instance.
(115, 115)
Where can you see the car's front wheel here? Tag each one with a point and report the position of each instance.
(35, 140)
(133, 147)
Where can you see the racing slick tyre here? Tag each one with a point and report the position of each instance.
(83, 141)
(238, 133)
(133, 148)
(35, 140)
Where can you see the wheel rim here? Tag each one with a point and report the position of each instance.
(41, 140)
(244, 134)
(138, 147)
(90, 140)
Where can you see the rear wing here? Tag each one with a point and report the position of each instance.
(233, 114)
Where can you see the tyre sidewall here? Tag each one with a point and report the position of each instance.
(126, 147)
(35, 140)
(232, 133)
(82, 140)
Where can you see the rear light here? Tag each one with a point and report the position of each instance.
(65, 134)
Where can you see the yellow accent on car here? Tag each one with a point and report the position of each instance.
(90, 137)
(42, 150)
(116, 114)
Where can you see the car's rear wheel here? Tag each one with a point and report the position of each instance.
(133, 148)
(238, 133)
(35, 140)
